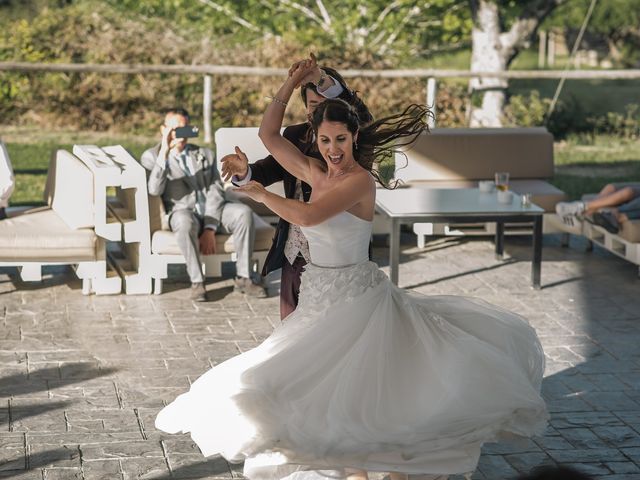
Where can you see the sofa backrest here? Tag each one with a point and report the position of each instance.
(227, 138)
(477, 153)
(69, 190)
(246, 138)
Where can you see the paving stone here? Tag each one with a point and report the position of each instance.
(107, 451)
(610, 401)
(525, 462)
(624, 476)
(35, 474)
(623, 467)
(102, 470)
(89, 374)
(618, 436)
(47, 456)
(632, 453)
(582, 438)
(12, 459)
(584, 419)
(190, 466)
(587, 455)
(495, 466)
(62, 474)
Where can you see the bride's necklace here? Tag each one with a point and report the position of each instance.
(342, 172)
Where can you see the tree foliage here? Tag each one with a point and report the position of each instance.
(614, 23)
(377, 28)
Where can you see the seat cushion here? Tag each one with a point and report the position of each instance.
(163, 242)
(542, 192)
(41, 235)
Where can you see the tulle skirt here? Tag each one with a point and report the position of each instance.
(364, 375)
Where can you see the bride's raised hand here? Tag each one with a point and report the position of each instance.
(295, 65)
(253, 190)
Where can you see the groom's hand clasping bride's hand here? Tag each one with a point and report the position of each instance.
(303, 69)
(235, 164)
(253, 190)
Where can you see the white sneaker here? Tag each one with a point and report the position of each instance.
(565, 209)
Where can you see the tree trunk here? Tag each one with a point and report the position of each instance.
(493, 50)
(488, 55)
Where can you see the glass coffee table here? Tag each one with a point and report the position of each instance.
(456, 205)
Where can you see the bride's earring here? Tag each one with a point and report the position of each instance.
(355, 145)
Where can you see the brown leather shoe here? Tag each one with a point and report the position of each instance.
(198, 292)
(249, 287)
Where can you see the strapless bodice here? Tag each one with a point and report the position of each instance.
(341, 240)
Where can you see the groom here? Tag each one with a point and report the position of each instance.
(290, 250)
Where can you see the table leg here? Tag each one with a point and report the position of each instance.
(394, 250)
(536, 263)
(499, 240)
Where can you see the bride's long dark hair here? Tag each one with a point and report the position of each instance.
(379, 139)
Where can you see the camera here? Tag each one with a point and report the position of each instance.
(188, 131)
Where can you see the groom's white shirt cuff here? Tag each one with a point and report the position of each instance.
(236, 181)
(333, 91)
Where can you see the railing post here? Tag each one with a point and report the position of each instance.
(551, 49)
(431, 100)
(206, 109)
(542, 48)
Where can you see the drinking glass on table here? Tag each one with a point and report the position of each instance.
(502, 181)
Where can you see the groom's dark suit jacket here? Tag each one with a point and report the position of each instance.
(268, 171)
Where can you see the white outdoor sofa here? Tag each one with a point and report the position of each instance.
(164, 248)
(60, 233)
(460, 157)
(625, 244)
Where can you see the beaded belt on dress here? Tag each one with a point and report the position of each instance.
(338, 266)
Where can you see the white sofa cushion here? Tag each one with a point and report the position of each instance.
(41, 235)
(163, 242)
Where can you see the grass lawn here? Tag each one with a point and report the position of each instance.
(582, 164)
(585, 167)
(30, 150)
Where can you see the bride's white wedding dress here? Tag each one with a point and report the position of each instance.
(366, 375)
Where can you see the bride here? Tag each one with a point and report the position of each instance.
(363, 376)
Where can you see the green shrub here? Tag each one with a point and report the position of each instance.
(531, 110)
(625, 125)
(526, 110)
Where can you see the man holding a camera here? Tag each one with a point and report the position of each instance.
(187, 178)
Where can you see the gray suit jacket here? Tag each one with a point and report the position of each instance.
(178, 189)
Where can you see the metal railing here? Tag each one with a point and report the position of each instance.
(431, 75)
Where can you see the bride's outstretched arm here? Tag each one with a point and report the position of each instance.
(286, 154)
(349, 192)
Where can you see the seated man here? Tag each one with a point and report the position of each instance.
(187, 178)
(7, 181)
(611, 207)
